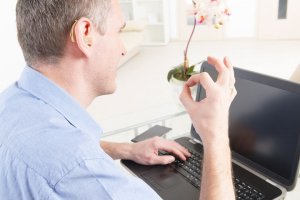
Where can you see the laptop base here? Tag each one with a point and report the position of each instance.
(170, 184)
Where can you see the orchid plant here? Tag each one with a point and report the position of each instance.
(205, 12)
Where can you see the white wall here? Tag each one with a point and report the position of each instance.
(11, 58)
(242, 22)
(269, 27)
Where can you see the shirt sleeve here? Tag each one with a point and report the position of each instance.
(102, 179)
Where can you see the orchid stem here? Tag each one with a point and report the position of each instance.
(186, 62)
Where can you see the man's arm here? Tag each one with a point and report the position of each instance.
(116, 150)
(210, 119)
(216, 172)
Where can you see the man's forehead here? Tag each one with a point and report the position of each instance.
(117, 14)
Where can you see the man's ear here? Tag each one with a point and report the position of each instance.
(81, 35)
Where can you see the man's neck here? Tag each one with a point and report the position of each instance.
(70, 77)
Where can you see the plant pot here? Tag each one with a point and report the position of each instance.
(176, 89)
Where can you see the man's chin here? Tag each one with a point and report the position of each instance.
(112, 90)
(109, 90)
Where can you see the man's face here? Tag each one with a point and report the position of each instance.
(108, 50)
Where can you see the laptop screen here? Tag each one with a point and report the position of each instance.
(264, 124)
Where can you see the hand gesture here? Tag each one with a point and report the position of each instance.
(210, 115)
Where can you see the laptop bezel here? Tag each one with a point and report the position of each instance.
(274, 82)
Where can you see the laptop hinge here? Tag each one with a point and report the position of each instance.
(271, 182)
(194, 141)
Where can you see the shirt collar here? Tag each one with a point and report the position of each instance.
(44, 89)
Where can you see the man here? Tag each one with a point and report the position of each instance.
(49, 145)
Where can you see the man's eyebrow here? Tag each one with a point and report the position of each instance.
(124, 25)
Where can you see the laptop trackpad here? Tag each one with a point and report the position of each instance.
(161, 177)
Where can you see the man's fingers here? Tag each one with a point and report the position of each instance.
(169, 146)
(203, 79)
(230, 67)
(227, 63)
(162, 160)
(182, 149)
(233, 94)
(223, 76)
(186, 97)
(174, 148)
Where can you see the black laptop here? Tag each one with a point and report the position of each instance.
(264, 131)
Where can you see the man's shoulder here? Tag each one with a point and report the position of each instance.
(22, 113)
(41, 137)
(15, 102)
(12, 95)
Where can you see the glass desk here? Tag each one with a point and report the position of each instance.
(178, 121)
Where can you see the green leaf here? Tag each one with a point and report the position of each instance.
(180, 73)
(170, 74)
(190, 70)
(174, 72)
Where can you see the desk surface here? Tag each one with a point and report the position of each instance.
(180, 123)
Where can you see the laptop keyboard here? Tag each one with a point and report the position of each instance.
(191, 169)
(244, 191)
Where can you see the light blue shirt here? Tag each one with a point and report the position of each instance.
(49, 148)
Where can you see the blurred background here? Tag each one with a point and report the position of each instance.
(260, 35)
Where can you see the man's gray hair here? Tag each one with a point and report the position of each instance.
(44, 25)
